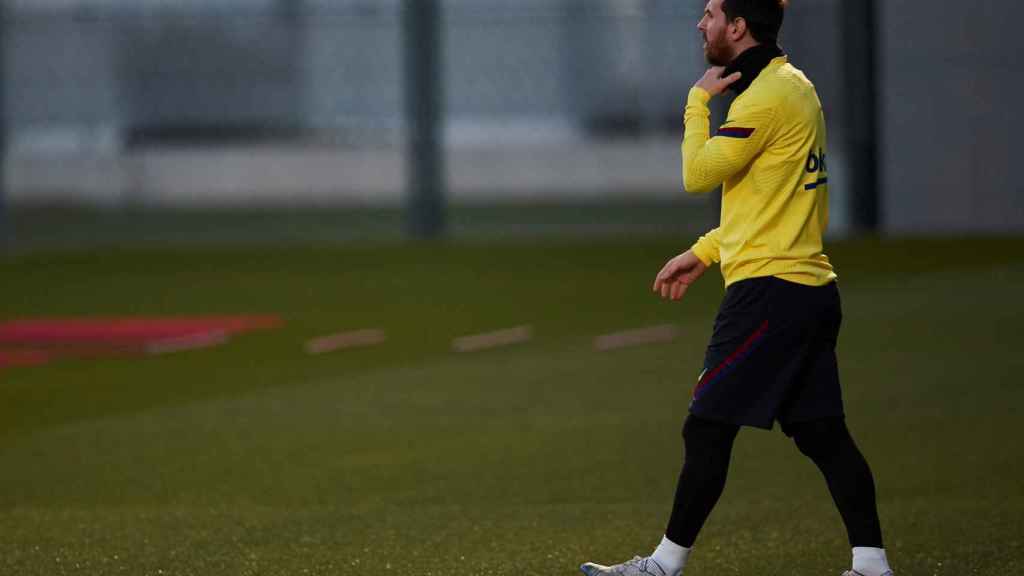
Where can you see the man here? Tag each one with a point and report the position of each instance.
(772, 352)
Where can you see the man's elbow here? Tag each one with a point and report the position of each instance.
(693, 183)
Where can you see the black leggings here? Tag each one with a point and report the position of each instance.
(827, 442)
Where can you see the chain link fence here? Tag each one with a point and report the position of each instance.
(299, 103)
(334, 66)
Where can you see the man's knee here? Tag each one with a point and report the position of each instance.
(820, 438)
(699, 433)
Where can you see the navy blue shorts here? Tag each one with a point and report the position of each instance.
(772, 356)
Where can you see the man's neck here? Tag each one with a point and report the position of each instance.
(746, 44)
(751, 62)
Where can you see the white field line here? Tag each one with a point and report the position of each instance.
(342, 340)
(188, 342)
(639, 337)
(488, 340)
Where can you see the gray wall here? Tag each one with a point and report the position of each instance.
(73, 82)
(951, 81)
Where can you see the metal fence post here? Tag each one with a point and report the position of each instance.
(421, 21)
(6, 237)
(861, 113)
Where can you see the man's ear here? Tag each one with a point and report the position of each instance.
(738, 28)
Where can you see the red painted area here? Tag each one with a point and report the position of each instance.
(31, 342)
(127, 330)
(23, 357)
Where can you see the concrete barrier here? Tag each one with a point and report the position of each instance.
(297, 175)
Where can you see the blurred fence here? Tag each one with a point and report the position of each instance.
(582, 64)
(269, 101)
(299, 103)
(234, 103)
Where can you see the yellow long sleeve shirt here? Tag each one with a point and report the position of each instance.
(769, 156)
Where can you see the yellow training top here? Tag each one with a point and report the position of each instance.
(769, 157)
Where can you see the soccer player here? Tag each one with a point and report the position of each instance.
(772, 352)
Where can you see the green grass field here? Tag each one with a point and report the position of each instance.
(406, 458)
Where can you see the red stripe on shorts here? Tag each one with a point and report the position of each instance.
(745, 347)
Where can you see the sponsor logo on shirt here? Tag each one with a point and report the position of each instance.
(816, 166)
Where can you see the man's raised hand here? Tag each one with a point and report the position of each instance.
(677, 275)
(713, 82)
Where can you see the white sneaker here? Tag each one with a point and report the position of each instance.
(638, 566)
(855, 573)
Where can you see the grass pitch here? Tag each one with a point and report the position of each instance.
(406, 458)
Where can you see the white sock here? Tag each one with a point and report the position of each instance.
(670, 556)
(871, 562)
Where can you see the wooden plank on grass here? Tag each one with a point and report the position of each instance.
(488, 340)
(638, 337)
(195, 341)
(344, 340)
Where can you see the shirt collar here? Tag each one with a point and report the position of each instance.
(751, 62)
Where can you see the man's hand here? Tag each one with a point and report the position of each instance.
(677, 275)
(713, 81)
